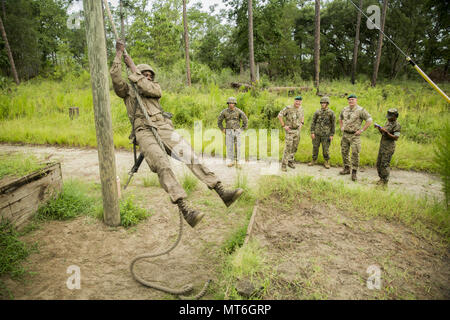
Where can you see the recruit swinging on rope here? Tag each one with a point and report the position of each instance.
(157, 132)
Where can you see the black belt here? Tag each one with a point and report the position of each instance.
(351, 132)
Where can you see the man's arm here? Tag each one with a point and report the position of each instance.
(146, 87)
(220, 122)
(120, 86)
(313, 125)
(244, 120)
(333, 125)
(368, 118)
(280, 118)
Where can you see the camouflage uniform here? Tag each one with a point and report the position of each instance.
(322, 126)
(233, 130)
(293, 119)
(352, 120)
(387, 149)
(156, 158)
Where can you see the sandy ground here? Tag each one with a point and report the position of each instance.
(103, 253)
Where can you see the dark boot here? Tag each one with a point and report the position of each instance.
(346, 170)
(354, 178)
(227, 196)
(191, 216)
(291, 165)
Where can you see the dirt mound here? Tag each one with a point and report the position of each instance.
(319, 252)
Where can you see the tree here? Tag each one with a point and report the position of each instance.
(8, 51)
(317, 45)
(250, 41)
(186, 44)
(380, 44)
(356, 45)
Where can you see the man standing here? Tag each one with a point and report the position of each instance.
(232, 116)
(157, 138)
(322, 131)
(291, 119)
(389, 135)
(350, 121)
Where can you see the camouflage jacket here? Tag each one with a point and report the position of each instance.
(353, 118)
(323, 122)
(232, 119)
(387, 143)
(292, 116)
(150, 92)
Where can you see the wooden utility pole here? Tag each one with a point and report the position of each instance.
(96, 44)
(186, 44)
(8, 51)
(250, 41)
(317, 46)
(356, 45)
(380, 45)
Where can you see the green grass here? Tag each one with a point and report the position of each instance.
(427, 217)
(74, 200)
(18, 164)
(150, 180)
(130, 213)
(12, 253)
(37, 112)
(189, 182)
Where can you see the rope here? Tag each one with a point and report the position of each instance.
(181, 292)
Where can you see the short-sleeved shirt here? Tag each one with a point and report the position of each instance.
(292, 116)
(323, 123)
(232, 119)
(393, 128)
(353, 118)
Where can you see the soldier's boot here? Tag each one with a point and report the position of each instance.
(382, 182)
(228, 196)
(354, 178)
(283, 168)
(230, 164)
(346, 170)
(326, 164)
(191, 216)
(312, 163)
(291, 165)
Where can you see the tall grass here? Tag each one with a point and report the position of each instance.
(37, 112)
(18, 164)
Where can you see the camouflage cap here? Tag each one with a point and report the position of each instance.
(352, 96)
(145, 67)
(298, 98)
(325, 100)
(392, 111)
(231, 100)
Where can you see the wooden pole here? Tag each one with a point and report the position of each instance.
(356, 45)
(380, 45)
(8, 51)
(186, 44)
(317, 45)
(103, 124)
(250, 42)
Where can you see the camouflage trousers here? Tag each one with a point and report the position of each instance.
(383, 162)
(291, 145)
(325, 141)
(158, 159)
(233, 142)
(353, 142)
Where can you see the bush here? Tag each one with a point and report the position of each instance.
(130, 214)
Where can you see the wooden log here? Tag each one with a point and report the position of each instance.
(74, 112)
(96, 44)
(21, 197)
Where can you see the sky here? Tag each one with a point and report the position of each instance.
(78, 4)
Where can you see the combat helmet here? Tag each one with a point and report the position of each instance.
(392, 112)
(145, 67)
(231, 100)
(325, 100)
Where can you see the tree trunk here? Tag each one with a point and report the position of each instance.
(250, 41)
(8, 51)
(380, 45)
(4, 10)
(317, 45)
(186, 44)
(96, 45)
(356, 45)
(122, 23)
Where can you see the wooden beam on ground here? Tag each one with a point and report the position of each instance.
(96, 44)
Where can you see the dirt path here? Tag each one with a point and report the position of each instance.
(83, 163)
(103, 254)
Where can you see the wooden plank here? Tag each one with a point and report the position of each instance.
(20, 200)
(250, 224)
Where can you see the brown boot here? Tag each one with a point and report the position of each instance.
(354, 178)
(291, 165)
(191, 216)
(313, 162)
(346, 170)
(326, 164)
(228, 197)
(283, 168)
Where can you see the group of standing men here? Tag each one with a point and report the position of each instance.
(292, 118)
